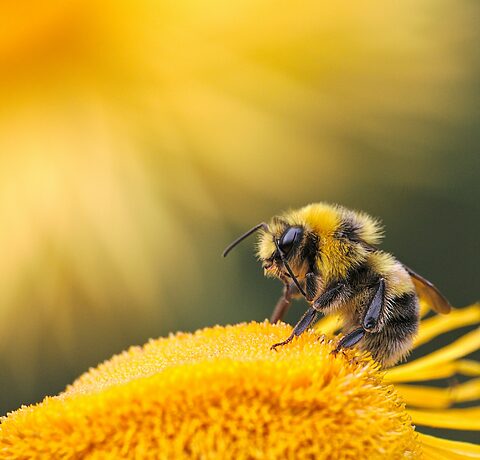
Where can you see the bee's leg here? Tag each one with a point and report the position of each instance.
(351, 339)
(311, 285)
(305, 321)
(372, 314)
(310, 315)
(329, 295)
(369, 321)
(289, 290)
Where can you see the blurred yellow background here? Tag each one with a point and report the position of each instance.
(137, 138)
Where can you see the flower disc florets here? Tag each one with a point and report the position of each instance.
(220, 393)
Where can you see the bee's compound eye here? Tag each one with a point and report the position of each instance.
(291, 236)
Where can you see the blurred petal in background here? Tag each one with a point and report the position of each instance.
(137, 138)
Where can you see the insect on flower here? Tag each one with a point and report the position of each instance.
(328, 254)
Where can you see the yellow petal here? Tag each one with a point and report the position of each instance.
(435, 448)
(439, 398)
(328, 324)
(456, 419)
(398, 374)
(432, 327)
(448, 447)
(468, 391)
(425, 397)
(435, 362)
(468, 367)
(463, 367)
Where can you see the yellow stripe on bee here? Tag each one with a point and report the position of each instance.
(321, 218)
(398, 280)
(336, 260)
(370, 230)
(324, 220)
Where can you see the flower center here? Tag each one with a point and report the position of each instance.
(222, 391)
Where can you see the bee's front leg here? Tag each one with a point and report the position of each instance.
(311, 314)
(334, 292)
(289, 291)
(311, 280)
(308, 318)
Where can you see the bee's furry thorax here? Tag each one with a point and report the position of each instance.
(339, 237)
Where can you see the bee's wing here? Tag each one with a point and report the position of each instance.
(429, 292)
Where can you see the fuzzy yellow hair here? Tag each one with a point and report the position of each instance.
(325, 219)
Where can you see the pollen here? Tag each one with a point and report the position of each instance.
(220, 393)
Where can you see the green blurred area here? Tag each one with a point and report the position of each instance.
(127, 170)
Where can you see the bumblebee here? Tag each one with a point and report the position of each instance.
(328, 254)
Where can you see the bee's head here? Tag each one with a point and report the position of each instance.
(280, 250)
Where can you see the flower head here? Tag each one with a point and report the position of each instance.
(222, 393)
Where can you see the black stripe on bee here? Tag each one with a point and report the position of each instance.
(310, 249)
(362, 276)
(405, 314)
(279, 221)
(348, 229)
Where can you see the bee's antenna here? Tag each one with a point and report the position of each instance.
(262, 225)
(289, 270)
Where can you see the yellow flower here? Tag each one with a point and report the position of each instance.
(222, 393)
